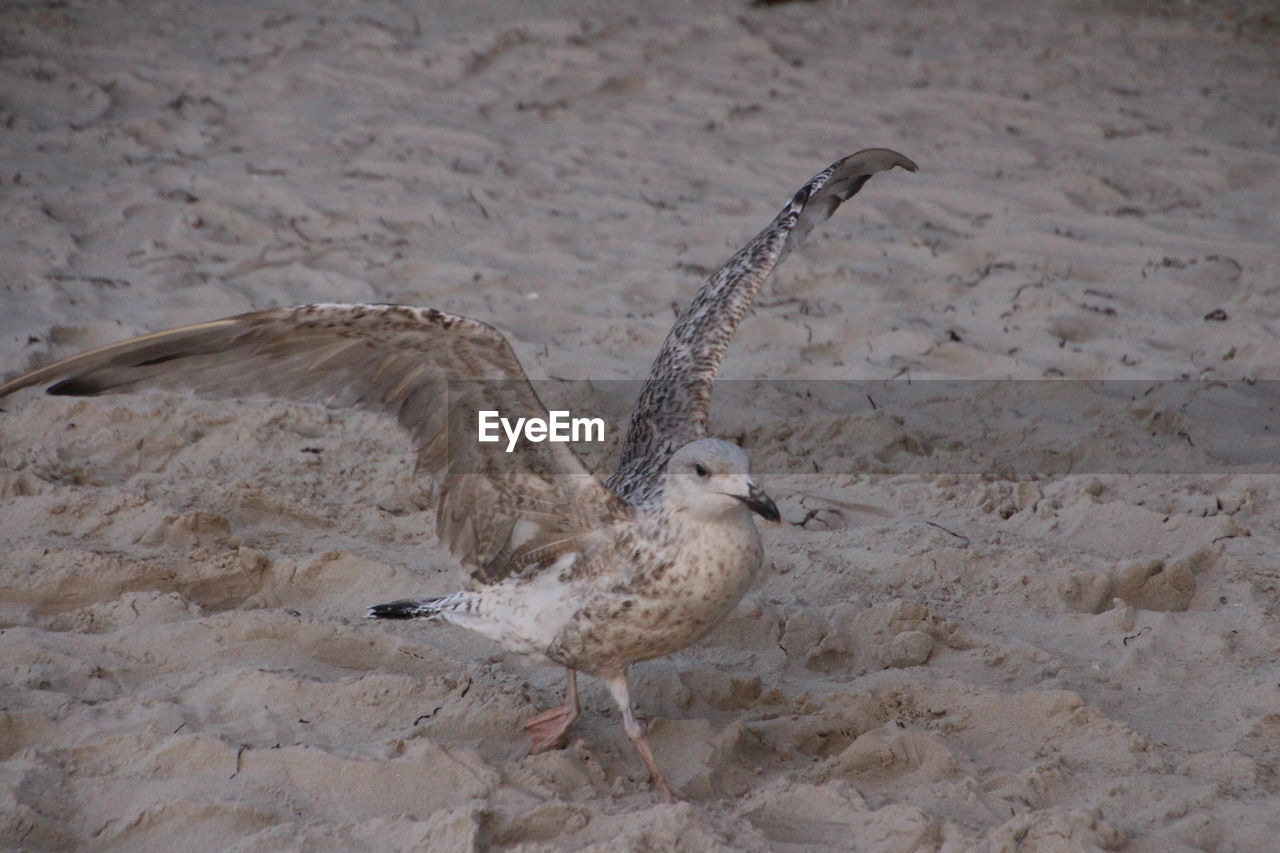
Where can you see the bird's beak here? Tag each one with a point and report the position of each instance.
(760, 503)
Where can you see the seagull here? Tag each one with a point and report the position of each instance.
(563, 568)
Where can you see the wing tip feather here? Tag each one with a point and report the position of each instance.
(881, 160)
(75, 386)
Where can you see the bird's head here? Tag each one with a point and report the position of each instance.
(711, 478)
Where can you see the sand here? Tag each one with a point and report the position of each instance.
(944, 656)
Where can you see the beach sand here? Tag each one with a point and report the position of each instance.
(943, 656)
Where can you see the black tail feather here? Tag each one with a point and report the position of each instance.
(406, 608)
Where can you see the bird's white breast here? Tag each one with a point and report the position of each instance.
(664, 603)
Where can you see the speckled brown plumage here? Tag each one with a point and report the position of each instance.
(563, 568)
(675, 401)
(428, 369)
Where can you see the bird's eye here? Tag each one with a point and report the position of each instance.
(699, 469)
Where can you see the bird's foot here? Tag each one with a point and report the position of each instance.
(641, 742)
(661, 785)
(550, 729)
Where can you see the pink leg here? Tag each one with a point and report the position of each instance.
(635, 730)
(550, 729)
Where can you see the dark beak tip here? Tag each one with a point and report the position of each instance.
(762, 505)
(770, 513)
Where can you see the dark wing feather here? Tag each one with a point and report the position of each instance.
(502, 514)
(674, 403)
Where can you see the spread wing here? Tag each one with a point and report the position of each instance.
(503, 514)
(673, 406)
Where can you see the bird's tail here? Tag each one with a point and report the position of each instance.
(415, 608)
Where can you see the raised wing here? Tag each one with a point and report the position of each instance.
(673, 406)
(502, 514)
